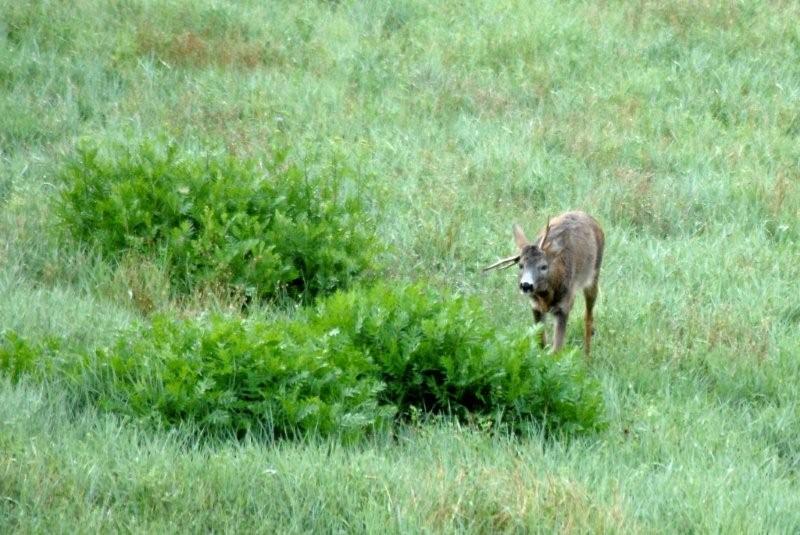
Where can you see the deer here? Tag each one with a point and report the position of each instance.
(566, 258)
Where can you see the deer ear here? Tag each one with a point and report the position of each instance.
(519, 237)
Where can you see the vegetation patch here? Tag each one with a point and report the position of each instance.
(190, 49)
(441, 353)
(344, 368)
(265, 228)
(205, 37)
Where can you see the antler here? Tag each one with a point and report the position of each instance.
(546, 232)
(502, 264)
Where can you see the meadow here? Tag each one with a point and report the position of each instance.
(676, 123)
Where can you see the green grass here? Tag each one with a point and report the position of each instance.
(675, 123)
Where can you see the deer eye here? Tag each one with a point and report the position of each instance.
(543, 267)
(520, 266)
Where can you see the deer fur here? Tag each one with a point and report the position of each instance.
(566, 258)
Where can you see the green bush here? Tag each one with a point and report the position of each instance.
(441, 353)
(344, 368)
(224, 376)
(229, 375)
(266, 228)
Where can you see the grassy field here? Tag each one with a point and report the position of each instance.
(676, 123)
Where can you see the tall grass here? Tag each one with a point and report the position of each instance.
(675, 123)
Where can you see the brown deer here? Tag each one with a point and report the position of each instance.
(566, 258)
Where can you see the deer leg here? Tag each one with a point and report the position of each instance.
(561, 327)
(538, 317)
(590, 294)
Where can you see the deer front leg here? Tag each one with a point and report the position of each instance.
(538, 318)
(561, 328)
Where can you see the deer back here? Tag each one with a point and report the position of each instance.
(575, 241)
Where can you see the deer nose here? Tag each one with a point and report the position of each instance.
(526, 287)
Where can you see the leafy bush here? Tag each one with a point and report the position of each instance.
(345, 368)
(229, 375)
(226, 376)
(440, 353)
(266, 228)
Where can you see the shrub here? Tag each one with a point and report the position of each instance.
(231, 376)
(345, 368)
(224, 376)
(441, 353)
(265, 228)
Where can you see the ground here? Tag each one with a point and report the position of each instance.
(675, 123)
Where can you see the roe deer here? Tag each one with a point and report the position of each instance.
(566, 258)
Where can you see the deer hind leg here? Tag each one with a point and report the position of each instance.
(538, 318)
(590, 294)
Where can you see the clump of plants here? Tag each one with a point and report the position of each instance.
(264, 228)
(352, 364)
(440, 353)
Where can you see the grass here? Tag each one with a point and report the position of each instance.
(676, 123)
